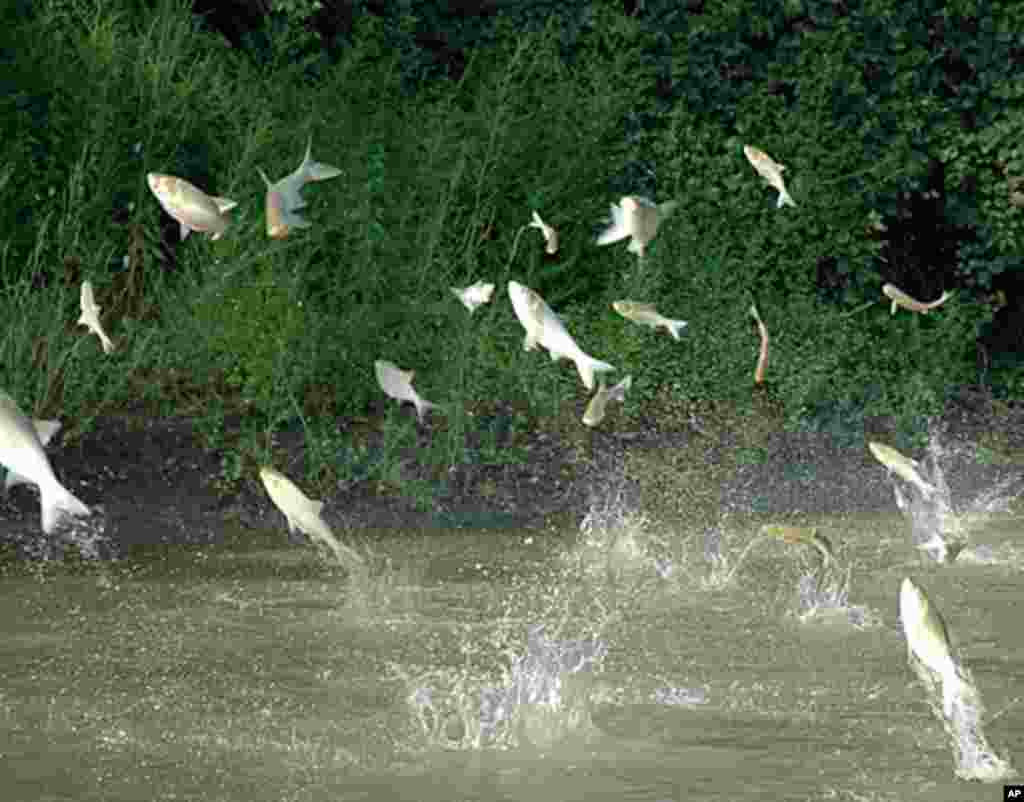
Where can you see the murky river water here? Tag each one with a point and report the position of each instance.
(469, 665)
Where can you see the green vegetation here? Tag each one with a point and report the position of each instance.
(859, 99)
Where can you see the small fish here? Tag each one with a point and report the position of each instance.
(45, 430)
(474, 295)
(646, 315)
(637, 218)
(762, 359)
(545, 328)
(550, 235)
(21, 452)
(928, 640)
(903, 467)
(91, 316)
(303, 514)
(595, 410)
(397, 384)
(283, 198)
(900, 298)
(190, 206)
(771, 171)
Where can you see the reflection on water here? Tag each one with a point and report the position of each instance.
(537, 665)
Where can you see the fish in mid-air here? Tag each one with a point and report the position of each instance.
(928, 640)
(638, 218)
(646, 315)
(45, 430)
(21, 452)
(545, 328)
(474, 295)
(190, 206)
(397, 383)
(903, 467)
(762, 358)
(303, 514)
(900, 298)
(595, 411)
(284, 197)
(771, 171)
(550, 235)
(91, 316)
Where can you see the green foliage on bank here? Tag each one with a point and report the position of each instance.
(564, 115)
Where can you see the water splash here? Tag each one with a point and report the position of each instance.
(542, 697)
(973, 756)
(941, 527)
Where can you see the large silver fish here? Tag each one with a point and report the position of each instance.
(303, 514)
(928, 639)
(638, 218)
(545, 328)
(190, 206)
(397, 384)
(771, 171)
(21, 451)
(283, 198)
(903, 467)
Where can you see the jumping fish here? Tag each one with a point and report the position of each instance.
(928, 640)
(284, 197)
(397, 383)
(900, 298)
(21, 452)
(45, 430)
(91, 316)
(190, 206)
(638, 218)
(474, 295)
(771, 171)
(545, 328)
(595, 410)
(303, 514)
(550, 235)
(646, 315)
(903, 467)
(762, 358)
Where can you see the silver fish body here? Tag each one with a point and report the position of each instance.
(646, 314)
(21, 452)
(928, 639)
(545, 328)
(549, 233)
(637, 218)
(903, 467)
(90, 317)
(474, 295)
(901, 299)
(771, 171)
(284, 198)
(190, 206)
(596, 409)
(397, 383)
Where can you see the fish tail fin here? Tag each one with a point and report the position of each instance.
(319, 171)
(588, 366)
(422, 407)
(676, 326)
(56, 501)
(618, 229)
(784, 200)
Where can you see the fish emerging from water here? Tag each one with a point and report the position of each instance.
(303, 514)
(928, 640)
(771, 171)
(474, 295)
(900, 298)
(190, 206)
(284, 197)
(91, 317)
(397, 383)
(903, 467)
(21, 452)
(646, 315)
(595, 410)
(545, 328)
(638, 218)
(550, 235)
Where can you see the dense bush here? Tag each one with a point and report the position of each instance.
(899, 125)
